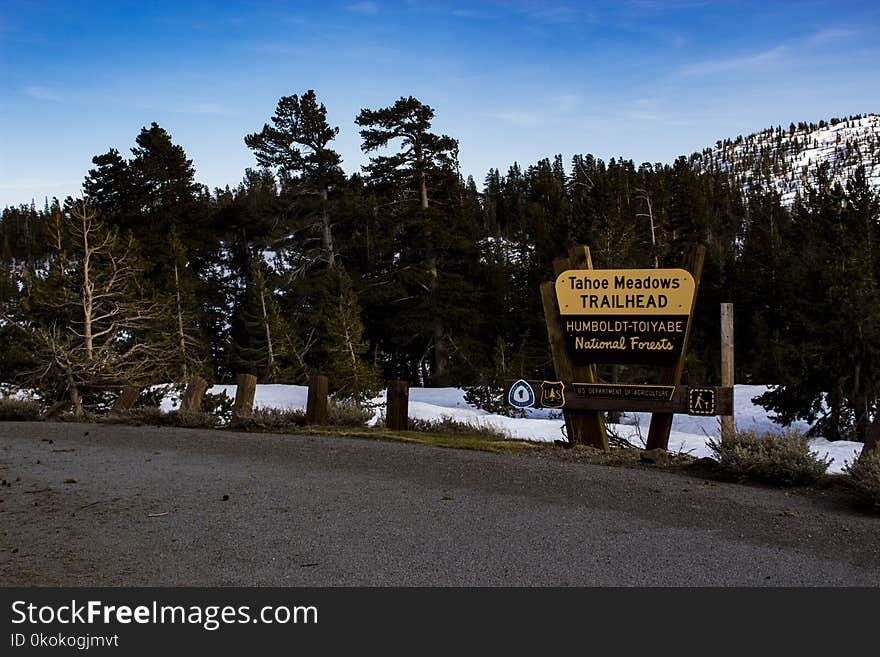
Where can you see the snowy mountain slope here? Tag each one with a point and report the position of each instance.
(785, 159)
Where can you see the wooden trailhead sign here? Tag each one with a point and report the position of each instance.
(627, 316)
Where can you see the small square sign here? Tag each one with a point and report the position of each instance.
(701, 401)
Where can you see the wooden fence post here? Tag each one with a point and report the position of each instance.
(245, 389)
(316, 405)
(192, 396)
(126, 399)
(397, 406)
(728, 426)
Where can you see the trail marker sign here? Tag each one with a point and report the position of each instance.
(625, 316)
(620, 316)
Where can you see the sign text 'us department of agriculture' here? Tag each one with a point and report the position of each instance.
(625, 316)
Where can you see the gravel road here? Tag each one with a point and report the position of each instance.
(103, 505)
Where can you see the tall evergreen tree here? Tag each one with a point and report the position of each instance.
(297, 145)
(424, 158)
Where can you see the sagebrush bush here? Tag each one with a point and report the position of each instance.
(339, 414)
(138, 415)
(191, 419)
(865, 474)
(783, 459)
(272, 419)
(19, 410)
(158, 417)
(347, 414)
(449, 425)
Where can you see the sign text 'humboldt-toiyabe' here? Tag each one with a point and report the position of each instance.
(625, 316)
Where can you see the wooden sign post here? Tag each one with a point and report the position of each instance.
(661, 423)
(582, 427)
(728, 428)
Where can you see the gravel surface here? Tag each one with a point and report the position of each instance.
(103, 505)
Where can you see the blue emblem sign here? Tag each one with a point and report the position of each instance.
(521, 395)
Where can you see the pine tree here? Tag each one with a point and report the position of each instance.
(168, 197)
(297, 145)
(832, 370)
(351, 375)
(424, 160)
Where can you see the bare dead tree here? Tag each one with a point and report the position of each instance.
(646, 197)
(188, 346)
(93, 323)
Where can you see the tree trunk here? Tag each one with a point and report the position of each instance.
(350, 348)
(87, 292)
(181, 336)
(871, 448)
(327, 233)
(73, 389)
(270, 359)
(653, 232)
(441, 351)
(423, 180)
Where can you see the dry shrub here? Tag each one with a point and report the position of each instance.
(448, 425)
(19, 410)
(348, 414)
(865, 477)
(271, 419)
(782, 459)
(157, 417)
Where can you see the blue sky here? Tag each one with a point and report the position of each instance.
(513, 80)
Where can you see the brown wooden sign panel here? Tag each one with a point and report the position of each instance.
(626, 316)
(705, 400)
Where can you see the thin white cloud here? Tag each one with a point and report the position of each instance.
(363, 8)
(745, 64)
(831, 35)
(768, 58)
(41, 93)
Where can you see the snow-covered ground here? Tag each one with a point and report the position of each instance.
(689, 433)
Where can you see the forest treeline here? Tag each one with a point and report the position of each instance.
(407, 270)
